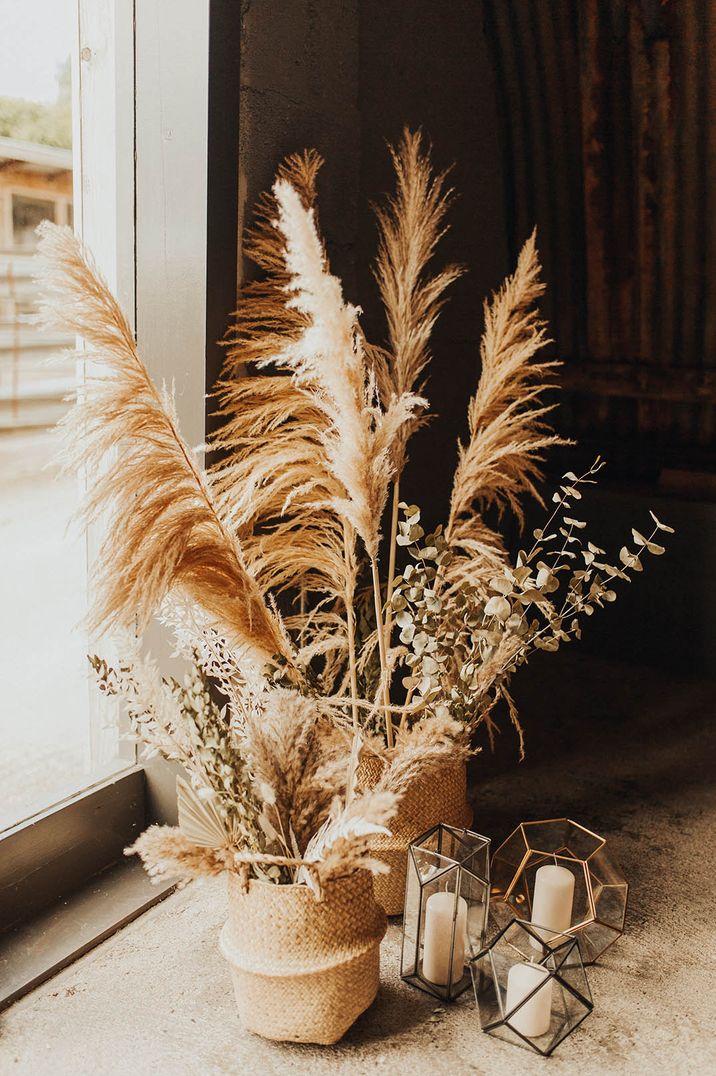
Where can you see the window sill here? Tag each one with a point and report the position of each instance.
(65, 884)
(35, 950)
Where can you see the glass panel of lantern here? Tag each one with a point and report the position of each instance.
(446, 904)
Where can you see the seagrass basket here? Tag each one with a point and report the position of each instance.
(303, 969)
(439, 796)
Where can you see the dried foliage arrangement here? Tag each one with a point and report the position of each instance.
(429, 622)
(273, 569)
(274, 798)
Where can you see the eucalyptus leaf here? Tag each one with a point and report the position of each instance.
(661, 526)
(499, 607)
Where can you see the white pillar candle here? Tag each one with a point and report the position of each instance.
(552, 900)
(534, 1018)
(438, 936)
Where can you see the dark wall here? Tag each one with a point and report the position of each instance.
(426, 65)
(344, 76)
(299, 89)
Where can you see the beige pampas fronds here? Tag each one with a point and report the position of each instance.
(299, 763)
(423, 749)
(328, 358)
(508, 434)
(167, 853)
(263, 319)
(273, 482)
(342, 844)
(164, 530)
(272, 487)
(410, 227)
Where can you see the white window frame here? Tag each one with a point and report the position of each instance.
(140, 204)
(142, 76)
(143, 106)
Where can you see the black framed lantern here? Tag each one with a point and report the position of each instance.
(531, 991)
(447, 897)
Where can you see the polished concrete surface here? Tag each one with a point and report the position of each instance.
(628, 751)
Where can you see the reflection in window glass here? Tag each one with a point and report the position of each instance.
(27, 213)
(50, 747)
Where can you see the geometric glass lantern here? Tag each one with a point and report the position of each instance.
(529, 991)
(447, 897)
(531, 880)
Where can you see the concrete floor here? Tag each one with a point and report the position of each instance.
(637, 764)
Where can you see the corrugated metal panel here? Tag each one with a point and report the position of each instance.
(608, 119)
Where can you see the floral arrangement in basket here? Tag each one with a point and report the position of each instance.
(276, 569)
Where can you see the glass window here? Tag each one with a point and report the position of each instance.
(27, 213)
(55, 739)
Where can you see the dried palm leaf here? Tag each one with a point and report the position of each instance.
(199, 820)
(164, 530)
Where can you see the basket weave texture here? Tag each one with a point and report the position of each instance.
(303, 970)
(438, 796)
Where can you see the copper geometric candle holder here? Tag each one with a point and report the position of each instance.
(600, 890)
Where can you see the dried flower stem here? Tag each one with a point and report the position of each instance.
(350, 623)
(391, 561)
(384, 672)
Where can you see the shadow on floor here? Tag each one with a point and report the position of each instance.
(603, 739)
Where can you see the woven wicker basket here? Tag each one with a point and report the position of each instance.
(303, 970)
(440, 796)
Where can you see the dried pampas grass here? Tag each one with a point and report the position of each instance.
(501, 461)
(272, 480)
(343, 843)
(410, 226)
(421, 751)
(164, 530)
(167, 853)
(328, 357)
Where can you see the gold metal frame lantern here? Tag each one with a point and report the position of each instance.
(600, 890)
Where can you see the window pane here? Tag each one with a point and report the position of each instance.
(27, 213)
(54, 740)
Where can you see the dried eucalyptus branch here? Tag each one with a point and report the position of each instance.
(463, 643)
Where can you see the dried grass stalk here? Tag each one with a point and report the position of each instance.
(299, 762)
(410, 226)
(167, 853)
(328, 357)
(164, 530)
(502, 459)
